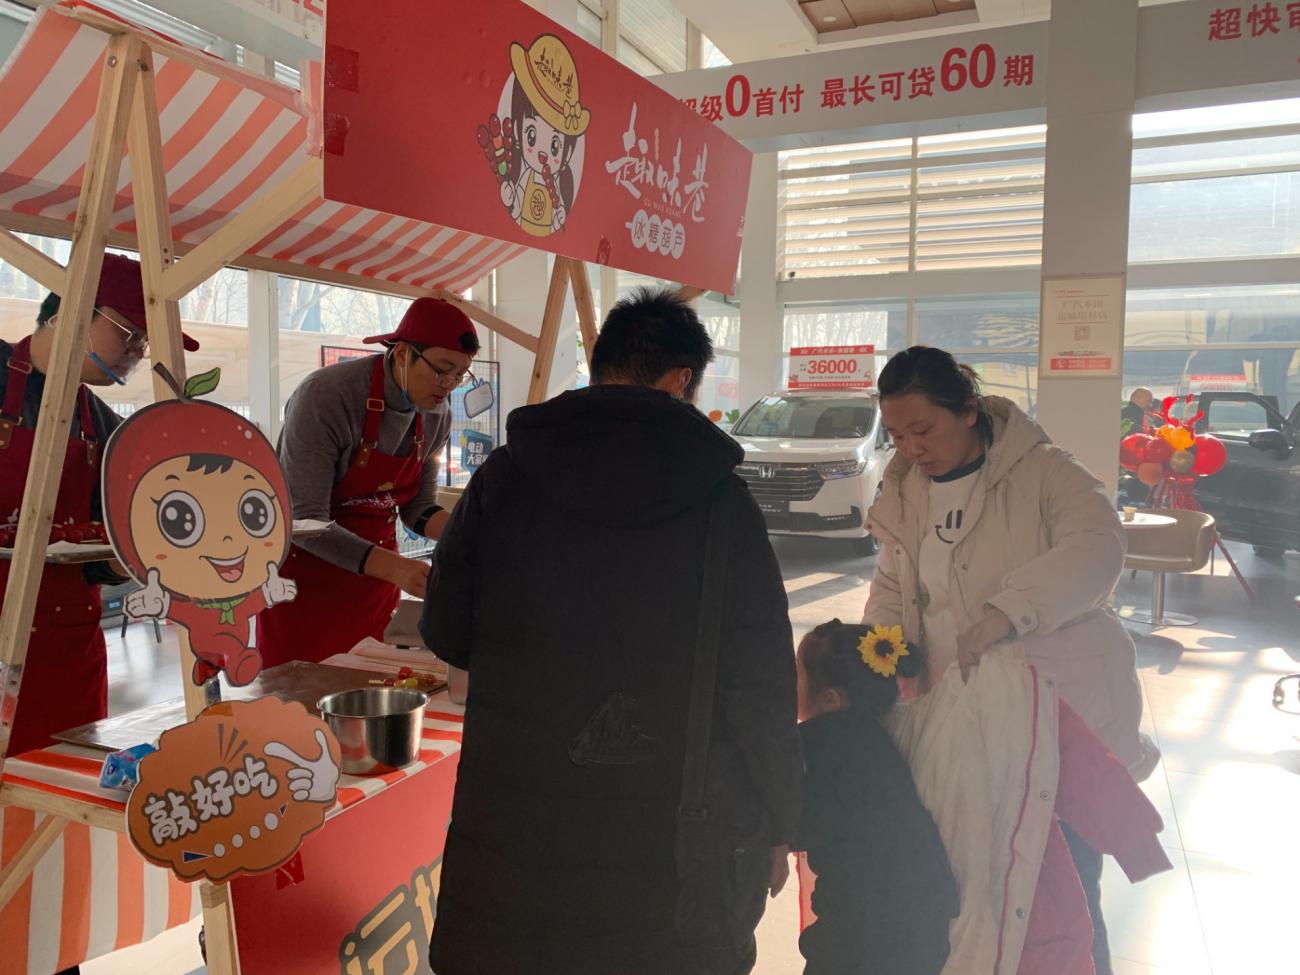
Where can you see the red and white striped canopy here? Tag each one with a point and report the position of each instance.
(228, 135)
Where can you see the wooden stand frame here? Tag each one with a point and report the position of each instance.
(127, 115)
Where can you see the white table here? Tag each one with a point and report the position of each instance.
(1143, 520)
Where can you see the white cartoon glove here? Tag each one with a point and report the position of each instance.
(276, 589)
(313, 780)
(151, 602)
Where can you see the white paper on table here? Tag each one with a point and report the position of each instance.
(372, 649)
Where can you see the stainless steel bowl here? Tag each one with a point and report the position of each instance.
(378, 728)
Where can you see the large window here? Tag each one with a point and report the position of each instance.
(651, 36)
(321, 324)
(1210, 184)
(996, 334)
(1208, 219)
(589, 24)
(882, 324)
(978, 322)
(1216, 186)
(970, 200)
(1194, 340)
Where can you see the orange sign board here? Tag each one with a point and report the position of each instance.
(234, 791)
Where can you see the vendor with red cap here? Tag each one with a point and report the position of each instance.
(65, 678)
(360, 447)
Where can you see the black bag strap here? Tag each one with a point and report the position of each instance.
(699, 721)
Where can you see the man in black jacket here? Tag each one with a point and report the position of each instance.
(568, 584)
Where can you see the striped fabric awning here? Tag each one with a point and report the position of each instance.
(227, 136)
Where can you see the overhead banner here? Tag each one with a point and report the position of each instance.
(861, 92)
(489, 118)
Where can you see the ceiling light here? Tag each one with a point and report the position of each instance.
(829, 19)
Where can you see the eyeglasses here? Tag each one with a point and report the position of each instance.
(448, 378)
(135, 341)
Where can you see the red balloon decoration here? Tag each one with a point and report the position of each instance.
(1158, 451)
(1211, 455)
(1173, 459)
(1132, 450)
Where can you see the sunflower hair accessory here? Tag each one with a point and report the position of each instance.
(881, 649)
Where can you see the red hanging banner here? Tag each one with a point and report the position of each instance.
(489, 118)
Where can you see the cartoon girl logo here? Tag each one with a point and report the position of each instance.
(534, 145)
(197, 509)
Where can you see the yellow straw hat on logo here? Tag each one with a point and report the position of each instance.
(549, 78)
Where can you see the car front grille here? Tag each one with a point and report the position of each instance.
(781, 482)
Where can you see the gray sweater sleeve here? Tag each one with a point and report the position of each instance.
(316, 433)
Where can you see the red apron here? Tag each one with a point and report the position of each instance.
(65, 679)
(336, 608)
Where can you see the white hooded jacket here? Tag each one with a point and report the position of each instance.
(1046, 547)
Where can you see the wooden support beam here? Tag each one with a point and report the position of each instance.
(162, 311)
(540, 384)
(162, 314)
(272, 208)
(28, 797)
(17, 870)
(41, 268)
(219, 929)
(53, 425)
(688, 293)
(488, 320)
(586, 307)
(153, 220)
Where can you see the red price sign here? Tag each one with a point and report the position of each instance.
(833, 367)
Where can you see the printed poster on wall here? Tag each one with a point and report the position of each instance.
(1082, 327)
(489, 118)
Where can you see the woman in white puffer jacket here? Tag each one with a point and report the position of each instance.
(990, 533)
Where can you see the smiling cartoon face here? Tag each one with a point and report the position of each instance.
(542, 145)
(209, 524)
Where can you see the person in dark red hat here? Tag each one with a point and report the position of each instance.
(65, 679)
(360, 447)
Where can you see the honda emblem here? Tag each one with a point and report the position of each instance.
(766, 470)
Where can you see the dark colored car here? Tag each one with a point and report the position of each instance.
(1256, 496)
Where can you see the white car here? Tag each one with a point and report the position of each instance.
(813, 461)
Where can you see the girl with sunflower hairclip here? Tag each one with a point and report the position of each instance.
(885, 893)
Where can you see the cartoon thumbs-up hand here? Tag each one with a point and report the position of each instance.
(278, 589)
(151, 602)
(313, 780)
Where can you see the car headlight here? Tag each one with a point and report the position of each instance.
(832, 470)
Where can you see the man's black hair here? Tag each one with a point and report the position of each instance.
(49, 308)
(648, 333)
(210, 463)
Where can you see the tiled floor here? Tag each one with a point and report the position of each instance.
(1228, 788)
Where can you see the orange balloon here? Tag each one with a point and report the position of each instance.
(715, 415)
(1149, 473)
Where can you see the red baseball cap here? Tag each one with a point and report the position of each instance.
(432, 321)
(122, 289)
